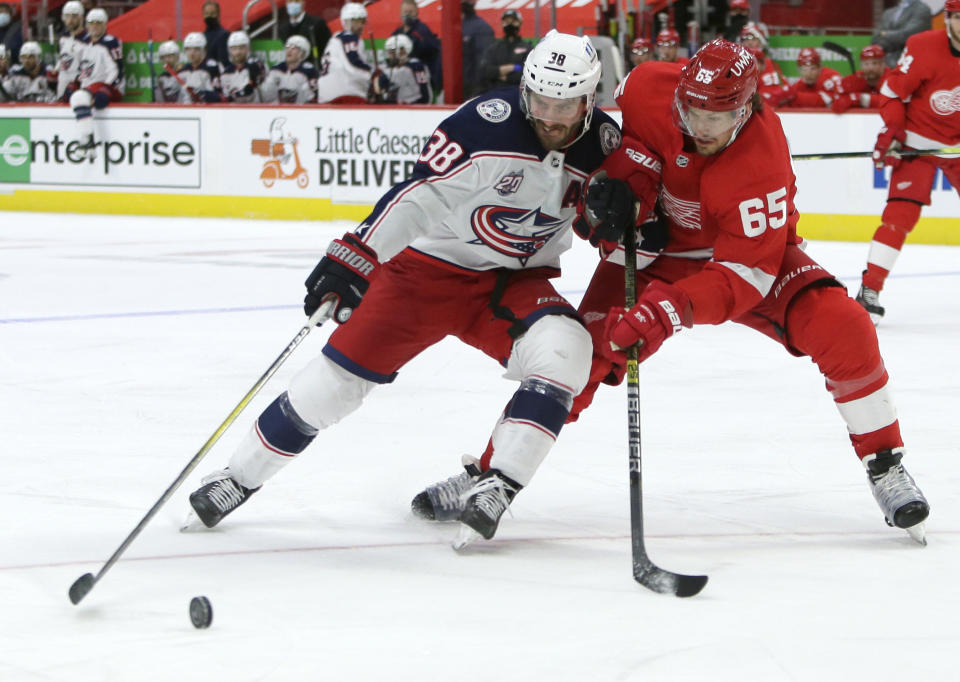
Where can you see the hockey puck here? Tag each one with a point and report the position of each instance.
(201, 612)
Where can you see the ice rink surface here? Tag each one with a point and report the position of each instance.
(125, 342)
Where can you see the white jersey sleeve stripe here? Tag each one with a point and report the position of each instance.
(755, 277)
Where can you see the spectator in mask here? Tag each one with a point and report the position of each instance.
(426, 44)
(215, 34)
(477, 36)
(296, 22)
(503, 61)
(11, 32)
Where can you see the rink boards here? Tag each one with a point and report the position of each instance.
(322, 163)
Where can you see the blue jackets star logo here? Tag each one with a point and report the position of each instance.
(517, 232)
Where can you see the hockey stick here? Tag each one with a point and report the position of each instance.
(645, 571)
(842, 51)
(82, 585)
(153, 76)
(194, 97)
(943, 151)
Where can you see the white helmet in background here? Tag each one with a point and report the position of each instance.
(238, 38)
(195, 39)
(401, 46)
(31, 47)
(168, 48)
(351, 11)
(72, 7)
(301, 43)
(562, 66)
(97, 15)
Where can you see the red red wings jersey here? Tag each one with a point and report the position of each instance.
(734, 209)
(773, 86)
(820, 94)
(855, 83)
(927, 78)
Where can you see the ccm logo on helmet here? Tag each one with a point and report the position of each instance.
(644, 160)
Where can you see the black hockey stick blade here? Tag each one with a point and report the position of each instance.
(842, 51)
(665, 582)
(81, 587)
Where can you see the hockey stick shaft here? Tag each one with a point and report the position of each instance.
(843, 52)
(153, 76)
(190, 91)
(645, 571)
(943, 151)
(82, 586)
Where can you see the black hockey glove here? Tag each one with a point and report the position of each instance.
(343, 275)
(606, 213)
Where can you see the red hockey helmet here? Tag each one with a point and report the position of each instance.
(753, 31)
(668, 37)
(808, 57)
(874, 51)
(641, 46)
(740, 4)
(722, 76)
(951, 6)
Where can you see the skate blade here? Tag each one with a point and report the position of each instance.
(192, 524)
(918, 533)
(466, 536)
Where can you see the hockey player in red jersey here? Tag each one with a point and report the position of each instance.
(921, 110)
(727, 193)
(466, 247)
(862, 89)
(817, 86)
(668, 46)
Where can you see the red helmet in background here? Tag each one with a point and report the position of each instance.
(951, 6)
(668, 37)
(808, 57)
(874, 51)
(740, 4)
(754, 30)
(641, 46)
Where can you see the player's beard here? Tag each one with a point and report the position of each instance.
(554, 136)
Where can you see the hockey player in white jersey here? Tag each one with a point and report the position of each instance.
(30, 80)
(200, 77)
(465, 247)
(240, 80)
(100, 78)
(345, 68)
(402, 80)
(70, 47)
(295, 80)
(168, 86)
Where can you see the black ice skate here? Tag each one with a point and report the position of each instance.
(901, 501)
(219, 496)
(485, 503)
(443, 501)
(870, 300)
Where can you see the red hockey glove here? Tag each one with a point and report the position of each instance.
(661, 312)
(842, 102)
(887, 150)
(343, 275)
(606, 212)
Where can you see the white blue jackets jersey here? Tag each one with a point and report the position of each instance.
(102, 62)
(242, 83)
(298, 86)
(200, 83)
(409, 83)
(344, 69)
(22, 87)
(168, 88)
(485, 194)
(68, 60)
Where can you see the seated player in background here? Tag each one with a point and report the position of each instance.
(403, 79)
(345, 68)
(168, 88)
(31, 80)
(240, 79)
(668, 46)
(641, 51)
(818, 85)
(200, 77)
(293, 81)
(99, 79)
(862, 89)
(773, 87)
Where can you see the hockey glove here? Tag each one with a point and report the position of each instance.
(661, 312)
(602, 371)
(343, 275)
(641, 168)
(607, 212)
(889, 144)
(842, 102)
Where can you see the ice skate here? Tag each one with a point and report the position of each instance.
(901, 501)
(443, 501)
(88, 147)
(219, 496)
(870, 300)
(484, 504)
